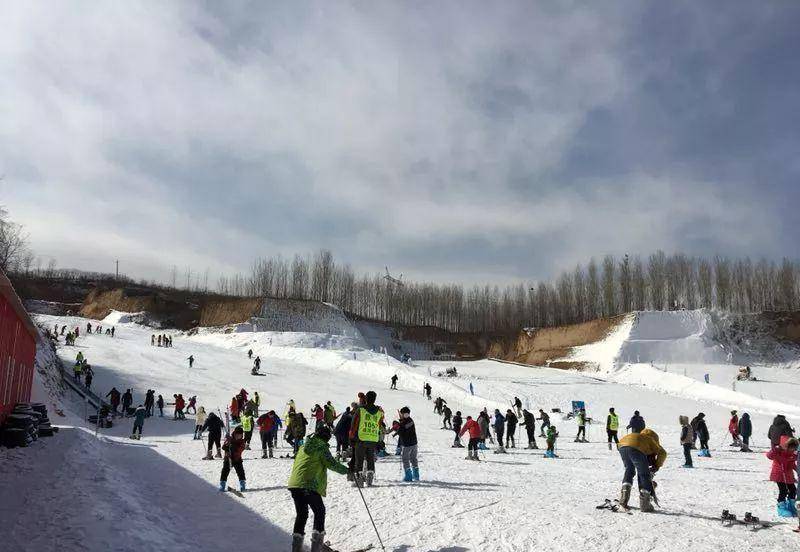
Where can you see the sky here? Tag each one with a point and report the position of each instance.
(450, 141)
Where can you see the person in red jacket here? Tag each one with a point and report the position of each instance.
(235, 409)
(784, 464)
(733, 429)
(319, 415)
(265, 424)
(474, 430)
(233, 447)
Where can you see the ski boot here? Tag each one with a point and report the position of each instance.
(645, 502)
(208, 456)
(222, 486)
(609, 446)
(218, 454)
(269, 453)
(242, 485)
(783, 509)
(358, 480)
(625, 495)
(317, 540)
(297, 542)
(408, 477)
(790, 503)
(415, 473)
(370, 476)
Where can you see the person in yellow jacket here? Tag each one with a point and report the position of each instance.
(642, 455)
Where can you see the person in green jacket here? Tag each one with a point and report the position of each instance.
(309, 483)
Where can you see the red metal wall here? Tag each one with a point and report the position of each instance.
(17, 354)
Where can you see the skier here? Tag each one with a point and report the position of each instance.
(636, 424)
(76, 371)
(179, 404)
(484, 423)
(457, 422)
(214, 425)
(780, 427)
(642, 455)
(88, 327)
(257, 364)
(113, 330)
(733, 429)
(138, 422)
(745, 431)
(475, 433)
(247, 426)
(149, 401)
(256, 403)
(471, 389)
(499, 428)
(612, 427)
(250, 353)
(233, 447)
(308, 484)
(407, 439)
(298, 427)
(552, 436)
(687, 438)
(529, 421)
(160, 405)
(544, 417)
(701, 431)
(365, 432)
(127, 401)
(265, 424)
(192, 404)
(447, 414)
(341, 431)
(427, 390)
(784, 464)
(153, 340)
(581, 436)
(329, 414)
(190, 358)
(511, 429)
(394, 382)
(199, 420)
(319, 416)
(114, 395)
(518, 406)
(234, 410)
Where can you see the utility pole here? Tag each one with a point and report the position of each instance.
(117, 269)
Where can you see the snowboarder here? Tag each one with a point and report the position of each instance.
(636, 425)
(780, 427)
(529, 421)
(365, 432)
(745, 431)
(511, 428)
(544, 417)
(160, 405)
(407, 439)
(199, 420)
(552, 436)
(612, 427)
(190, 358)
(234, 447)
(265, 424)
(474, 429)
(784, 464)
(457, 422)
(394, 382)
(499, 425)
(733, 429)
(214, 425)
(308, 484)
(701, 432)
(581, 436)
(138, 422)
(687, 439)
(642, 455)
(114, 395)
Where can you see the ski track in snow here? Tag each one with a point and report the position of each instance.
(156, 494)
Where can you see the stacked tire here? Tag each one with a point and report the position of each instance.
(25, 424)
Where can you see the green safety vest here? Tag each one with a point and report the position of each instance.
(368, 426)
(613, 422)
(247, 423)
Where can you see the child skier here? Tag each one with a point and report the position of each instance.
(407, 439)
(581, 436)
(784, 464)
(733, 429)
(552, 435)
(308, 484)
(233, 447)
(138, 422)
(687, 439)
(199, 420)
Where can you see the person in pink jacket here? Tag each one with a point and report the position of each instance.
(784, 464)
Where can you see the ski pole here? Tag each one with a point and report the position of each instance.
(358, 486)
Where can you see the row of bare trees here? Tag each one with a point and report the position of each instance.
(15, 256)
(605, 288)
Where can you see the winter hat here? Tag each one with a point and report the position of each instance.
(405, 410)
(611, 409)
(324, 433)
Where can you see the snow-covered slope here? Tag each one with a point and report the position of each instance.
(516, 502)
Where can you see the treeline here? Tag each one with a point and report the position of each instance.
(606, 288)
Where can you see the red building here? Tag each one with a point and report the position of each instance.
(18, 337)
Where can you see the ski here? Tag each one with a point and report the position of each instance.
(613, 506)
(729, 520)
(234, 491)
(326, 547)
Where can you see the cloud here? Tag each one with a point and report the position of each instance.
(451, 141)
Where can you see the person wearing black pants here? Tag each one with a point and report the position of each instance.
(303, 500)
(214, 425)
(233, 447)
(787, 491)
(687, 440)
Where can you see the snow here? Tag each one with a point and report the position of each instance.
(112, 493)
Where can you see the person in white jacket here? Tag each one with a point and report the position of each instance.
(199, 420)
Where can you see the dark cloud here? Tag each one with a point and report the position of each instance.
(448, 140)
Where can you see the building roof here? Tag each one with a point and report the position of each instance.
(7, 291)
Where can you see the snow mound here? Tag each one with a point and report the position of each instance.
(120, 317)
